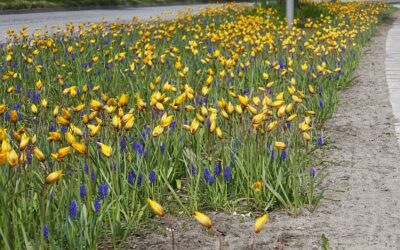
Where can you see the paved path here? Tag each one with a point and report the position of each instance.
(392, 67)
(35, 20)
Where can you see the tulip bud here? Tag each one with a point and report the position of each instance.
(157, 131)
(12, 158)
(38, 154)
(24, 142)
(53, 177)
(105, 149)
(203, 219)
(280, 145)
(260, 223)
(157, 208)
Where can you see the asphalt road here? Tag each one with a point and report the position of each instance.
(40, 20)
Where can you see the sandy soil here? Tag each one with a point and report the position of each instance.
(362, 209)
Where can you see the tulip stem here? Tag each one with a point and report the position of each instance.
(253, 243)
(169, 224)
(219, 237)
(42, 212)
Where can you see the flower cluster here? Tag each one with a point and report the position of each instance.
(214, 107)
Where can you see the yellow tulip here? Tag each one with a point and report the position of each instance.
(92, 115)
(204, 111)
(157, 208)
(70, 138)
(123, 100)
(160, 106)
(17, 136)
(219, 133)
(127, 117)
(39, 84)
(232, 93)
(129, 123)
(157, 131)
(230, 108)
(282, 111)
(34, 139)
(291, 118)
(44, 103)
(256, 100)
(306, 136)
(116, 122)
(79, 107)
(189, 108)
(194, 126)
(94, 130)
(260, 223)
(203, 219)
(66, 114)
(180, 99)
(217, 53)
(238, 109)
(105, 149)
(311, 88)
(53, 177)
(280, 95)
(225, 114)
(62, 152)
(266, 101)
(24, 142)
(54, 136)
(291, 90)
(258, 185)
(280, 145)
(213, 126)
(76, 130)
(277, 104)
(62, 121)
(140, 103)
(296, 99)
(34, 109)
(166, 120)
(5, 146)
(95, 104)
(55, 111)
(79, 147)
(38, 154)
(200, 118)
(257, 119)
(252, 109)
(304, 67)
(8, 57)
(13, 116)
(272, 125)
(307, 120)
(3, 134)
(243, 100)
(289, 108)
(304, 127)
(3, 157)
(22, 157)
(12, 158)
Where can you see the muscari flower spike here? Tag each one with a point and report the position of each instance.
(73, 210)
